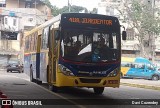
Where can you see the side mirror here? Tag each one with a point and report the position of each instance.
(124, 35)
(57, 34)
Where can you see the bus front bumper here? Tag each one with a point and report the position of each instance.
(74, 81)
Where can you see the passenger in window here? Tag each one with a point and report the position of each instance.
(101, 45)
(104, 50)
(77, 46)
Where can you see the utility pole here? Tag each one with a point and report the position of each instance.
(153, 34)
(69, 6)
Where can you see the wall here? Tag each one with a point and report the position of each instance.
(9, 25)
(12, 4)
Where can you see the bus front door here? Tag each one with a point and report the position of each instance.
(52, 65)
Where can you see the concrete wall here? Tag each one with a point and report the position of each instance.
(10, 45)
(12, 4)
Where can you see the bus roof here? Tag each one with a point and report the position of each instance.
(101, 21)
(47, 23)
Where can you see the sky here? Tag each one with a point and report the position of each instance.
(89, 4)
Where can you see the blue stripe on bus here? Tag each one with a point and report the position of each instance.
(38, 65)
(76, 68)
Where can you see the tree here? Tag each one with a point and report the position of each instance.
(54, 9)
(73, 8)
(94, 11)
(145, 19)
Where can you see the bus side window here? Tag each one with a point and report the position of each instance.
(150, 67)
(127, 65)
(140, 66)
(124, 64)
(136, 65)
(132, 65)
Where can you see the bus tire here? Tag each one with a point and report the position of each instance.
(53, 88)
(155, 77)
(98, 90)
(39, 82)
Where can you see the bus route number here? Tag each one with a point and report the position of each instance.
(91, 21)
(76, 20)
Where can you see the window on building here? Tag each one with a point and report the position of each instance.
(28, 4)
(6, 21)
(2, 20)
(2, 5)
(14, 22)
(130, 34)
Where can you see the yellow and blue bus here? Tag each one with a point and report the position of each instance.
(75, 50)
(139, 67)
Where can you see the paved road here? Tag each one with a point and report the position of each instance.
(16, 85)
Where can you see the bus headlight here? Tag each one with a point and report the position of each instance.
(65, 70)
(113, 73)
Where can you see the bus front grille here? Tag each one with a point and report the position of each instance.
(84, 80)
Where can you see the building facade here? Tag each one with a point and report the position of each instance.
(16, 17)
(130, 47)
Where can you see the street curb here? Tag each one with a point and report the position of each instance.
(141, 86)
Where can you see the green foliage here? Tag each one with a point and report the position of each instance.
(47, 2)
(145, 18)
(74, 9)
(143, 15)
(94, 11)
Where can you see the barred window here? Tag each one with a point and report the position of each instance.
(130, 34)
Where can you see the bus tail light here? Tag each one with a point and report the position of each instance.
(65, 70)
(113, 73)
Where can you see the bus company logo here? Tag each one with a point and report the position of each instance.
(100, 72)
(6, 102)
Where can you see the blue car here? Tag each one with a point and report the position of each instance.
(139, 68)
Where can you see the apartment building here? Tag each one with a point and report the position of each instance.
(16, 17)
(130, 47)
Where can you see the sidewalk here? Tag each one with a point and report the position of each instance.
(141, 83)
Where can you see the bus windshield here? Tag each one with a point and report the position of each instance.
(90, 46)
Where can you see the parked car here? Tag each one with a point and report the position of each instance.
(139, 68)
(14, 66)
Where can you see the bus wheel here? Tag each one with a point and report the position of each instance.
(98, 90)
(39, 82)
(53, 88)
(155, 77)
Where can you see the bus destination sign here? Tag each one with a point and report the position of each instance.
(90, 21)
